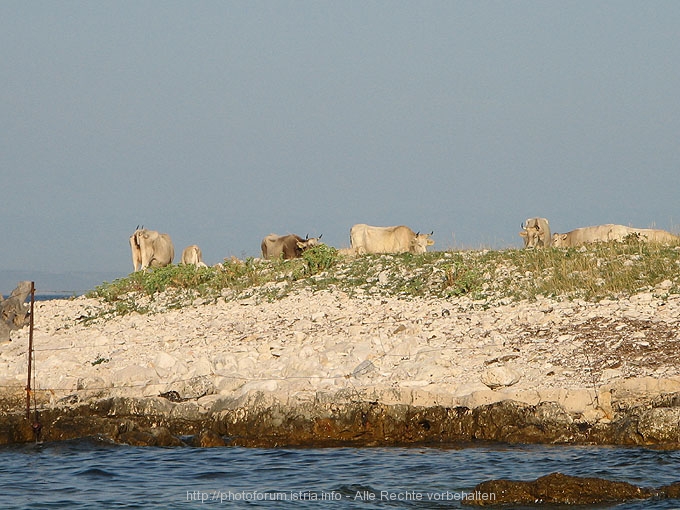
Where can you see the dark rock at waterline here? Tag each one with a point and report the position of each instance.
(261, 422)
(671, 491)
(556, 489)
(208, 439)
(159, 436)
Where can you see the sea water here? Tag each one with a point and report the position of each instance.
(95, 474)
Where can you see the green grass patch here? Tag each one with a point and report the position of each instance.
(608, 270)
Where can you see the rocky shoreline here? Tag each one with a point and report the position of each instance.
(327, 368)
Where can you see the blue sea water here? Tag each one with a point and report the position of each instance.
(95, 474)
(56, 295)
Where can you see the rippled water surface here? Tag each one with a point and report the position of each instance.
(95, 474)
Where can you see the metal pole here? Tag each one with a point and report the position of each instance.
(30, 354)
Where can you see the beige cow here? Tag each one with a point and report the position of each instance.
(192, 255)
(655, 235)
(611, 232)
(399, 239)
(151, 249)
(536, 233)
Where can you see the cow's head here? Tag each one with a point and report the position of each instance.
(420, 242)
(308, 242)
(135, 237)
(530, 235)
(145, 237)
(559, 240)
(534, 234)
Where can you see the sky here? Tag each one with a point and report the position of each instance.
(219, 122)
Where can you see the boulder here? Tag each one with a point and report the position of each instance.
(554, 489)
(14, 312)
(208, 439)
(499, 376)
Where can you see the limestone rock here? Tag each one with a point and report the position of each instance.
(134, 375)
(195, 388)
(14, 312)
(499, 376)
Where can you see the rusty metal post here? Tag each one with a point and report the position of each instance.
(30, 354)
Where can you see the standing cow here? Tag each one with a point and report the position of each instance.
(193, 255)
(151, 249)
(289, 246)
(399, 239)
(536, 233)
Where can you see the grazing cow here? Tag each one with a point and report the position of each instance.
(536, 233)
(594, 234)
(289, 246)
(193, 255)
(151, 249)
(400, 239)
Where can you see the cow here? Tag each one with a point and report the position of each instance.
(151, 249)
(594, 234)
(290, 246)
(536, 233)
(347, 252)
(193, 255)
(654, 235)
(399, 239)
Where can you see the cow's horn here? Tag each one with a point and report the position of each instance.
(431, 232)
(320, 236)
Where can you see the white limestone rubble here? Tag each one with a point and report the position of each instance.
(588, 357)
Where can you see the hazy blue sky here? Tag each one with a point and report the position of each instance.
(219, 122)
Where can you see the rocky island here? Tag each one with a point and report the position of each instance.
(381, 350)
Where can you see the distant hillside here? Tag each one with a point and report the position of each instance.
(73, 282)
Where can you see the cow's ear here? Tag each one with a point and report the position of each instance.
(564, 237)
(300, 244)
(523, 233)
